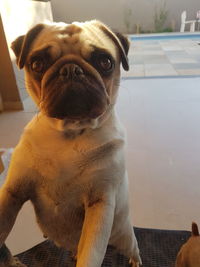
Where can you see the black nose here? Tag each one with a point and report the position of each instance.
(71, 71)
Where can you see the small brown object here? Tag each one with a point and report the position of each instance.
(189, 254)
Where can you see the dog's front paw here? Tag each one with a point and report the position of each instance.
(7, 260)
(15, 262)
(133, 263)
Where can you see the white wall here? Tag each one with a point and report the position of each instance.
(114, 13)
(28, 14)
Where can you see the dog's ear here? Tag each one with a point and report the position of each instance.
(121, 42)
(21, 46)
(124, 41)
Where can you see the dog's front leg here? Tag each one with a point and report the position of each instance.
(96, 232)
(9, 208)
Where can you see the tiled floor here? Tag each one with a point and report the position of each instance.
(13, 122)
(173, 57)
(161, 116)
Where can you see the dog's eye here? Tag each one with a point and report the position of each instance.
(38, 65)
(105, 62)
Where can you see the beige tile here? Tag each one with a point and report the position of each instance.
(159, 70)
(188, 71)
(149, 52)
(11, 126)
(171, 48)
(177, 59)
(25, 233)
(163, 151)
(193, 50)
(134, 71)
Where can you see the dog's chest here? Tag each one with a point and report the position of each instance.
(60, 169)
(59, 191)
(67, 174)
(60, 213)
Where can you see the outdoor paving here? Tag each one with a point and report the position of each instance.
(156, 58)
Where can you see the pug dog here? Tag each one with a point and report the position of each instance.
(70, 159)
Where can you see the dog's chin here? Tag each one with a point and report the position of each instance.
(94, 114)
(89, 121)
(76, 125)
(78, 119)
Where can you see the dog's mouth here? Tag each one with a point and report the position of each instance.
(78, 103)
(75, 100)
(73, 89)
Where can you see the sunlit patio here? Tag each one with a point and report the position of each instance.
(167, 55)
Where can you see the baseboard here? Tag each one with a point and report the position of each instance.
(1, 104)
(13, 105)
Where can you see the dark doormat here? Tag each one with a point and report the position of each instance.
(158, 249)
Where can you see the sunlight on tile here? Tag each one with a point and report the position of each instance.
(159, 70)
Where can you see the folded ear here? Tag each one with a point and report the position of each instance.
(21, 46)
(121, 42)
(124, 41)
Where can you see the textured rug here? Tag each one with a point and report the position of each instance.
(158, 249)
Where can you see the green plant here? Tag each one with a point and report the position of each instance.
(160, 17)
(167, 29)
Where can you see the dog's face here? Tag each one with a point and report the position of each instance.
(72, 70)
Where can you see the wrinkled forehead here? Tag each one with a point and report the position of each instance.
(75, 38)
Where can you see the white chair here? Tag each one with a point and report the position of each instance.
(198, 20)
(184, 22)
